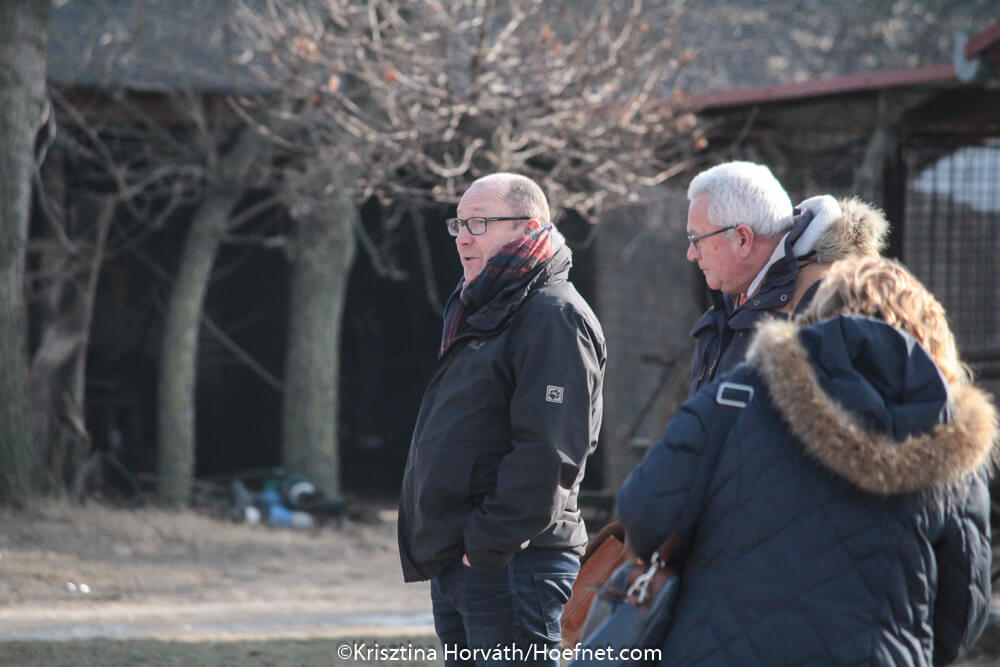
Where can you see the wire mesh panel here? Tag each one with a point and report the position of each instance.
(952, 239)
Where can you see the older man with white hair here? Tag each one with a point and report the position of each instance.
(762, 257)
(488, 510)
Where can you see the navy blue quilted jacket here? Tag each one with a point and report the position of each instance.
(844, 519)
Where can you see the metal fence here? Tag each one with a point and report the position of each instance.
(951, 240)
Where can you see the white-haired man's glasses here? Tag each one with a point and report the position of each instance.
(694, 239)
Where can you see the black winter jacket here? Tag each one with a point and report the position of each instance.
(722, 334)
(508, 420)
(846, 518)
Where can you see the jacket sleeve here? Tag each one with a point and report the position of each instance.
(653, 498)
(963, 555)
(555, 410)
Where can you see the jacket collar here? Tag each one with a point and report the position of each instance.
(874, 461)
(785, 252)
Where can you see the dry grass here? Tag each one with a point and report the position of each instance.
(163, 568)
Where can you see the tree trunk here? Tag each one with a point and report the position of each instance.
(66, 306)
(179, 354)
(325, 251)
(24, 29)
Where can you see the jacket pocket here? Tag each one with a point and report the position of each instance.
(446, 479)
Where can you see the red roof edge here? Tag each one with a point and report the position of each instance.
(982, 41)
(821, 87)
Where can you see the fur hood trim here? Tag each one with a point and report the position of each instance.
(861, 230)
(932, 461)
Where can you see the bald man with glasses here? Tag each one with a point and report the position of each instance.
(488, 510)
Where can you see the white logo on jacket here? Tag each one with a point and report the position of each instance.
(554, 394)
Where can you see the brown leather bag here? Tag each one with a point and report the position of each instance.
(604, 553)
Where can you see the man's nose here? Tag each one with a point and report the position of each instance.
(464, 236)
(692, 253)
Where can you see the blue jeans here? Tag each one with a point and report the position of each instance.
(518, 606)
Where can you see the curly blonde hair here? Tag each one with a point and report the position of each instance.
(885, 289)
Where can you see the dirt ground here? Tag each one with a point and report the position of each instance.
(97, 585)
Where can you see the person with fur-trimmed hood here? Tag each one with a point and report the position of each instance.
(839, 478)
(762, 258)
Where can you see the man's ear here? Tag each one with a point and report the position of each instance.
(744, 238)
(533, 225)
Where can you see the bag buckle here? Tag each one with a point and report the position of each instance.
(722, 400)
(640, 587)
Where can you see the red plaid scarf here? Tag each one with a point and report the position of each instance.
(512, 262)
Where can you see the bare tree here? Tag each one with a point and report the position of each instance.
(84, 186)
(67, 254)
(150, 158)
(24, 29)
(421, 97)
(139, 160)
(417, 99)
(178, 356)
(323, 251)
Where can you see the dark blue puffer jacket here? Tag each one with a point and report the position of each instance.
(845, 520)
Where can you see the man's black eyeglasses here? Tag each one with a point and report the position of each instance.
(694, 239)
(476, 226)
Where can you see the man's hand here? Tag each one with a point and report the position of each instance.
(465, 560)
